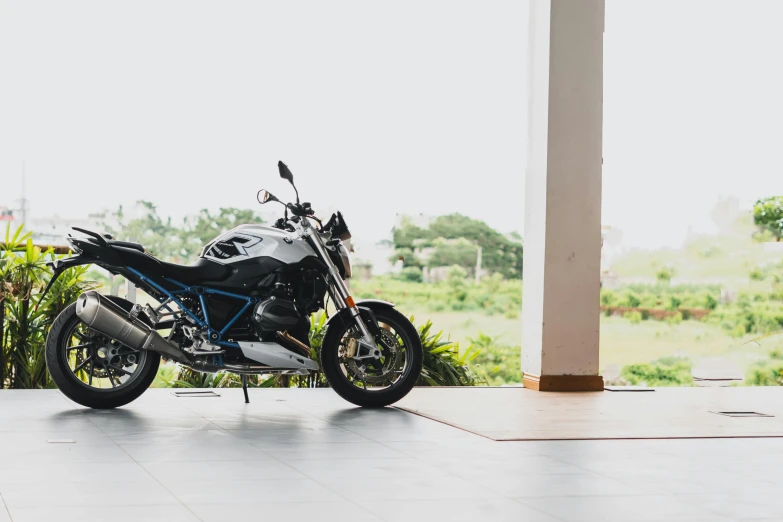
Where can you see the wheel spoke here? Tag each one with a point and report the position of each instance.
(82, 364)
(92, 369)
(107, 368)
(79, 347)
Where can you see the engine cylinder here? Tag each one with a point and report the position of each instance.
(275, 314)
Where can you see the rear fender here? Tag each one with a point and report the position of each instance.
(59, 266)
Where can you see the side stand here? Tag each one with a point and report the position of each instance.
(244, 388)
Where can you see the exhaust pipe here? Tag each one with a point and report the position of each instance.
(110, 319)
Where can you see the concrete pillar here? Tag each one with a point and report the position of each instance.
(560, 312)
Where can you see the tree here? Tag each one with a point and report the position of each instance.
(159, 237)
(205, 227)
(768, 216)
(448, 252)
(455, 239)
(165, 240)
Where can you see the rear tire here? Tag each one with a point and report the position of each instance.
(57, 361)
(336, 372)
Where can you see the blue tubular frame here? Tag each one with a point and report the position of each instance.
(200, 292)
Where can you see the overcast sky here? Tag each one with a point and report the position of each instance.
(378, 108)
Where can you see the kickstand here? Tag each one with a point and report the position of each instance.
(244, 388)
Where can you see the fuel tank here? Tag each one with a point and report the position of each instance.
(252, 241)
(254, 251)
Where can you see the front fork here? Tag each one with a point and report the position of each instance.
(338, 290)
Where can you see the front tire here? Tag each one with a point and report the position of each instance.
(93, 370)
(390, 378)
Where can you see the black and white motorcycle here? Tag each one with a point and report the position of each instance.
(243, 307)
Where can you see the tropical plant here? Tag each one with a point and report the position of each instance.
(25, 315)
(444, 364)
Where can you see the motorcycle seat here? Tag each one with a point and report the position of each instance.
(203, 271)
(126, 244)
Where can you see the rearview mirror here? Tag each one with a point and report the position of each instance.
(265, 196)
(285, 173)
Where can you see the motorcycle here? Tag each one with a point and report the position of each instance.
(243, 307)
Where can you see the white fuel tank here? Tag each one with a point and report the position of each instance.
(254, 241)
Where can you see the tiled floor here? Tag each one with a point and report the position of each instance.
(307, 455)
(688, 412)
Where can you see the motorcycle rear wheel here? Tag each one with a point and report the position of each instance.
(374, 384)
(93, 370)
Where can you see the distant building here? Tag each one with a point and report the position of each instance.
(52, 230)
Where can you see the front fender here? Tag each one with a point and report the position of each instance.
(366, 308)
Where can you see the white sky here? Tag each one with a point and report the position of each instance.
(378, 108)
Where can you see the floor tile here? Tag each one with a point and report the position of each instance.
(50, 494)
(165, 513)
(201, 452)
(360, 489)
(521, 485)
(64, 453)
(761, 504)
(328, 470)
(222, 491)
(639, 508)
(492, 465)
(316, 511)
(494, 510)
(58, 472)
(172, 472)
(304, 435)
(333, 450)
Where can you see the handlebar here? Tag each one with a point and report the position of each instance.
(300, 209)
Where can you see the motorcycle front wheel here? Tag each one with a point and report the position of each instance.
(373, 383)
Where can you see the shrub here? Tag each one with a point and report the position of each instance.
(497, 364)
(765, 373)
(668, 371)
(634, 317)
(412, 274)
(608, 297)
(630, 299)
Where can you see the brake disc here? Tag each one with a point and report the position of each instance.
(375, 371)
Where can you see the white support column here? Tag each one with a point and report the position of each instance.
(560, 311)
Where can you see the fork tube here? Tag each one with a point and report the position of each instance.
(337, 285)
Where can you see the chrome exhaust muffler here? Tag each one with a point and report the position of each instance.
(101, 314)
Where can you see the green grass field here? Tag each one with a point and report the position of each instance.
(621, 342)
